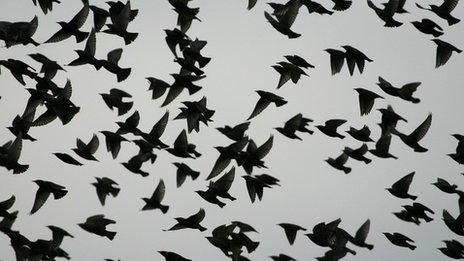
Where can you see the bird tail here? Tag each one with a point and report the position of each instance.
(81, 36)
(415, 100)
(114, 192)
(122, 74)
(130, 37)
(29, 137)
(144, 174)
(125, 107)
(197, 154)
(203, 61)
(252, 246)
(279, 103)
(110, 235)
(412, 247)
(437, 34)
(164, 209)
(412, 197)
(342, 6)
(347, 170)
(367, 161)
(393, 23)
(201, 228)
(20, 169)
(453, 20)
(152, 158)
(293, 35)
(370, 247)
(428, 219)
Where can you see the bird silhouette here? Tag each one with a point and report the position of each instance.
(154, 202)
(265, 99)
(400, 188)
(412, 140)
(87, 56)
(192, 222)
(72, 27)
(111, 65)
(104, 187)
(366, 100)
(296, 123)
(49, 67)
(86, 151)
(171, 256)
(444, 10)
(182, 148)
(119, 24)
(235, 133)
(444, 51)
(405, 92)
(387, 13)
(339, 163)
(66, 158)
(46, 188)
(428, 26)
(330, 128)
(355, 57)
(10, 153)
(290, 231)
(400, 240)
(97, 225)
(114, 99)
(184, 171)
(362, 134)
(358, 154)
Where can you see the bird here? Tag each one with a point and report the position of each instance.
(66, 158)
(236, 132)
(221, 186)
(153, 137)
(186, 14)
(315, 7)
(458, 156)
(288, 71)
(171, 256)
(444, 10)
(290, 231)
(45, 189)
(389, 119)
(176, 38)
(387, 13)
(354, 57)
(192, 52)
(256, 184)
(114, 99)
(146, 147)
(195, 112)
(296, 123)
(445, 186)
(281, 27)
(362, 134)
(358, 154)
(444, 51)
(10, 153)
(401, 240)
(100, 16)
(254, 155)
(418, 211)
(330, 128)
(181, 82)
(18, 69)
(113, 142)
(337, 59)
(406, 216)
(226, 155)
(157, 86)
(341, 5)
(182, 148)
(72, 27)
(184, 171)
(104, 187)
(454, 224)
(339, 163)
(19, 32)
(265, 99)
(382, 147)
(453, 249)
(5, 205)
(111, 65)
(97, 225)
(192, 222)
(361, 235)
(405, 92)
(86, 151)
(135, 163)
(428, 26)
(22, 124)
(298, 61)
(412, 140)
(400, 188)
(283, 257)
(154, 202)
(251, 4)
(87, 56)
(130, 125)
(119, 24)
(366, 100)
(49, 67)
(46, 5)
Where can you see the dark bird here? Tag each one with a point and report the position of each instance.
(341, 5)
(182, 148)
(330, 235)
(315, 7)
(330, 128)
(227, 154)
(406, 216)
(5, 205)
(72, 27)
(153, 137)
(221, 186)
(389, 120)
(445, 186)
(49, 67)
(97, 225)
(130, 125)
(236, 132)
(22, 124)
(66, 158)
(111, 65)
(405, 92)
(282, 257)
(210, 197)
(46, 5)
(296, 123)
(10, 153)
(358, 154)
(194, 113)
(154, 202)
(117, 7)
(444, 10)
(18, 69)
(387, 13)
(400, 188)
(157, 86)
(254, 155)
(362, 134)
(382, 147)
(265, 99)
(100, 16)
(146, 147)
(186, 14)
(113, 142)
(18, 32)
(366, 100)
(119, 24)
(184, 171)
(354, 57)
(400, 240)
(454, 224)
(339, 163)
(298, 61)
(135, 163)
(412, 140)
(105, 186)
(45, 189)
(290, 231)
(453, 249)
(181, 82)
(192, 53)
(192, 222)
(176, 38)
(444, 51)
(288, 71)
(428, 26)
(114, 99)
(58, 234)
(281, 27)
(87, 56)
(256, 183)
(337, 59)
(86, 151)
(251, 4)
(418, 211)
(171, 256)
(188, 65)
(361, 236)
(459, 155)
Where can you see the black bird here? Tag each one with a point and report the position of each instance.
(337, 59)
(251, 4)
(157, 86)
(119, 24)
(358, 154)
(382, 147)
(445, 186)
(153, 137)
(400, 188)
(184, 171)
(256, 184)
(339, 163)
(192, 222)
(298, 61)
(5, 205)
(291, 230)
(97, 225)
(330, 128)
(459, 155)
(146, 147)
(406, 216)
(418, 211)
(314, 7)
(454, 224)
(46, 5)
(288, 71)
(400, 240)
(129, 125)
(71, 28)
(10, 153)
(181, 82)
(428, 26)
(389, 120)
(387, 13)
(366, 100)
(296, 123)
(192, 53)
(113, 142)
(361, 236)
(114, 99)
(171, 256)
(111, 65)
(330, 235)
(444, 10)
(100, 16)
(253, 155)
(188, 65)
(210, 197)
(19, 32)
(135, 163)
(405, 92)
(195, 112)
(49, 67)
(86, 151)
(22, 124)
(176, 38)
(227, 154)
(66, 158)
(412, 140)
(105, 186)
(354, 57)
(453, 249)
(444, 51)
(87, 56)
(154, 202)
(45, 189)
(185, 13)
(221, 186)
(283, 257)
(341, 5)
(362, 134)
(182, 148)
(265, 99)
(281, 27)
(116, 8)
(236, 132)
(18, 69)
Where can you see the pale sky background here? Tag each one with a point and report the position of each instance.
(243, 46)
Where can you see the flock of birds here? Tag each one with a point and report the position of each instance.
(49, 102)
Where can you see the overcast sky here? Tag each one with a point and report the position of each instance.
(243, 47)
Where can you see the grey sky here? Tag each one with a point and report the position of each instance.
(243, 46)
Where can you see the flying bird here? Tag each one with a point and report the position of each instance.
(111, 65)
(444, 10)
(184, 171)
(46, 188)
(66, 158)
(428, 26)
(339, 163)
(405, 92)
(330, 128)
(401, 240)
(412, 140)
(49, 67)
(400, 188)
(291, 230)
(358, 154)
(355, 57)
(192, 222)
(296, 123)
(362, 134)
(72, 27)
(119, 24)
(97, 225)
(104, 187)
(366, 100)
(87, 56)
(86, 151)
(382, 147)
(113, 142)
(182, 148)
(387, 13)
(154, 202)
(444, 51)
(10, 153)
(265, 99)
(236, 132)
(114, 99)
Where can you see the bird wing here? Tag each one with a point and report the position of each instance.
(383, 144)
(221, 163)
(449, 5)
(361, 150)
(443, 55)
(260, 106)
(365, 103)
(160, 126)
(264, 149)
(173, 92)
(40, 198)
(294, 123)
(251, 4)
(92, 146)
(334, 124)
(362, 232)
(365, 131)
(114, 56)
(404, 183)
(337, 59)
(403, 237)
(420, 131)
(79, 19)
(225, 182)
(199, 216)
(123, 18)
(181, 142)
(120, 93)
(342, 159)
(408, 89)
(14, 151)
(134, 119)
(158, 194)
(391, 7)
(90, 45)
